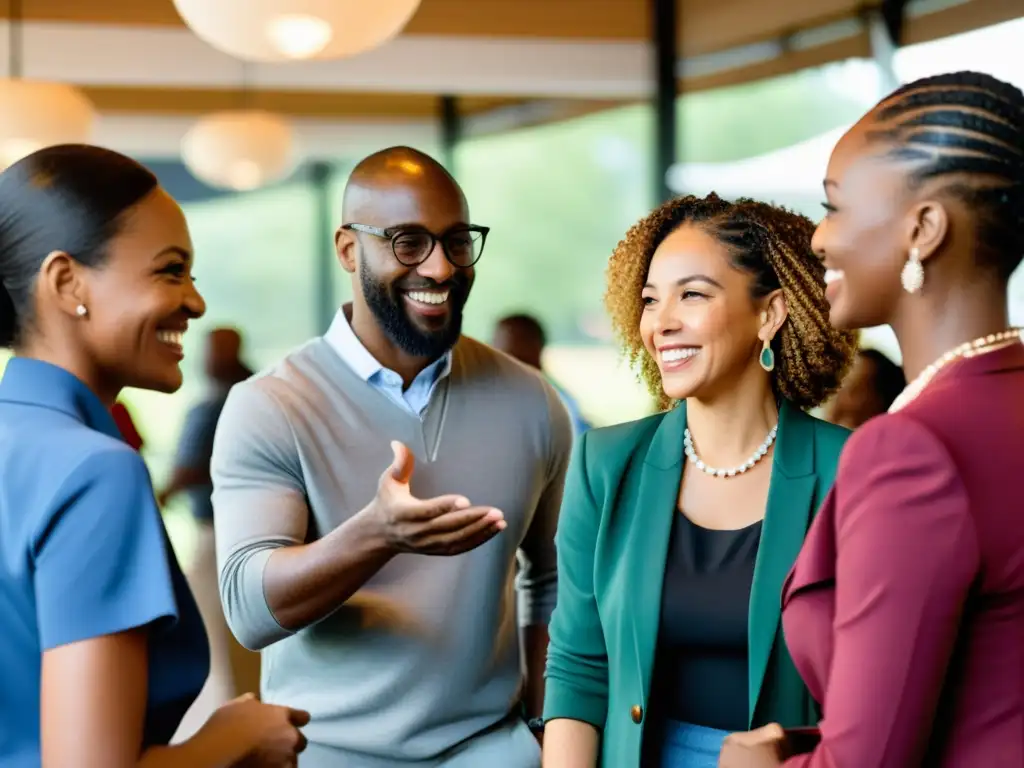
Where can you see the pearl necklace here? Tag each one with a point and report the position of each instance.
(759, 454)
(979, 346)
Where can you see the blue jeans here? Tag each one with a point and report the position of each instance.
(510, 745)
(691, 746)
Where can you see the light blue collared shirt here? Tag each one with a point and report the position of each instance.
(83, 554)
(414, 399)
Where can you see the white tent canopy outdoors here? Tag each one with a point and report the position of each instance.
(789, 174)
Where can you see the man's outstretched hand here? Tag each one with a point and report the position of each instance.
(443, 525)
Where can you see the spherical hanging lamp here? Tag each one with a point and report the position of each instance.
(36, 114)
(239, 150)
(283, 30)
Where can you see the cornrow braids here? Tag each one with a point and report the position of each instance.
(966, 127)
(773, 246)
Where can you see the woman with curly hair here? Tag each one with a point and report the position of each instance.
(666, 634)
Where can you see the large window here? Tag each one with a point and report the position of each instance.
(558, 198)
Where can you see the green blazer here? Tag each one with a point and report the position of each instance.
(613, 535)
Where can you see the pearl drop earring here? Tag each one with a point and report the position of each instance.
(912, 275)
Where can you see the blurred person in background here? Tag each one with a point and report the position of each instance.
(677, 530)
(375, 489)
(102, 649)
(190, 474)
(522, 336)
(233, 669)
(905, 608)
(868, 390)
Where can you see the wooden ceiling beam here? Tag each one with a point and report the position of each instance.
(167, 73)
(307, 104)
(704, 25)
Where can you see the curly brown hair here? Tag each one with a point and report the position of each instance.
(773, 246)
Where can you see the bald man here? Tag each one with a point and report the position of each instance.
(373, 492)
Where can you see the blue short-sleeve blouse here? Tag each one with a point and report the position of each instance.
(83, 553)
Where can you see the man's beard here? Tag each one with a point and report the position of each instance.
(387, 305)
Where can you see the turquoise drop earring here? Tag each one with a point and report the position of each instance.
(767, 356)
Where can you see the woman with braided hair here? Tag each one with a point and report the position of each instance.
(666, 634)
(904, 611)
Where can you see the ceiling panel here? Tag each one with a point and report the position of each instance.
(510, 62)
(705, 26)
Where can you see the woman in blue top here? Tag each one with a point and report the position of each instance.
(102, 649)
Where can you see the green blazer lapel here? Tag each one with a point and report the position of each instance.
(787, 517)
(653, 503)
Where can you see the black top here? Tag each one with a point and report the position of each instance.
(701, 663)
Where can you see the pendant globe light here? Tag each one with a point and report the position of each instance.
(35, 113)
(283, 30)
(239, 150)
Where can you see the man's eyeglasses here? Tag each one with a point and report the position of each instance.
(462, 246)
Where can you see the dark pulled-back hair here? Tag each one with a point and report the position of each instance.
(967, 129)
(71, 198)
(770, 244)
